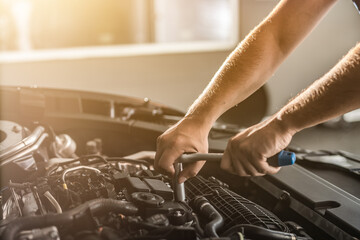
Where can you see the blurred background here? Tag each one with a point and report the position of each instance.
(166, 50)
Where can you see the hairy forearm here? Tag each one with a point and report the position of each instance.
(257, 57)
(235, 80)
(336, 93)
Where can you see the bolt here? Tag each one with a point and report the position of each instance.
(284, 196)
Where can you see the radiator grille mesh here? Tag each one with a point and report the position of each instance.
(234, 208)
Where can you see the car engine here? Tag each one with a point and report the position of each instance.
(60, 195)
(80, 165)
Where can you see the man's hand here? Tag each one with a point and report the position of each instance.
(337, 92)
(243, 72)
(247, 152)
(185, 137)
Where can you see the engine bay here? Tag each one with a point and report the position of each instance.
(98, 197)
(80, 176)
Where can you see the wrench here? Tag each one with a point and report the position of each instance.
(283, 158)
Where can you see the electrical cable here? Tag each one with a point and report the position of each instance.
(53, 201)
(75, 169)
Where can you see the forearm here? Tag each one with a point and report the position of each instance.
(243, 72)
(334, 94)
(257, 57)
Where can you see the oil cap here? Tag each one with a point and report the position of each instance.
(145, 199)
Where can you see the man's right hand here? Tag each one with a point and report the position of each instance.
(186, 136)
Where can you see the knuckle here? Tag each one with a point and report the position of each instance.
(161, 140)
(230, 142)
(235, 145)
(262, 170)
(192, 173)
(166, 170)
(246, 172)
(177, 141)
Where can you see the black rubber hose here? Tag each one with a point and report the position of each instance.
(209, 212)
(255, 232)
(197, 226)
(96, 207)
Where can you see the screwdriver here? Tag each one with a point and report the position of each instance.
(281, 159)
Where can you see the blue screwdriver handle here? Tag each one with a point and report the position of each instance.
(281, 159)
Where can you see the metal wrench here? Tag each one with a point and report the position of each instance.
(283, 158)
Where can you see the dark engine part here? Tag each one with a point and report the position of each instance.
(100, 197)
(147, 199)
(153, 196)
(72, 217)
(235, 209)
(202, 205)
(255, 232)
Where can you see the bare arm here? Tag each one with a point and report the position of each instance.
(334, 94)
(244, 71)
(257, 57)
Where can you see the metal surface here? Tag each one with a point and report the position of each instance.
(283, 158)
(26, 142)
(77, 168)
(64, 146)
(338, 205)
(16, 200)
(23, 153)
(53, 201)
(179, 188)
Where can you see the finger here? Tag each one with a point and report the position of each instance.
(166, 161)
(264, 167)
(226, 163)
(261, 166)
(236, 162)
(191, 170)
(157, 158)
(255, 165)
(272, 170)
(250, 169)
(239, 167)
(159, 150)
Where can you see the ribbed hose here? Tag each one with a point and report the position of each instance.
(202, 205)
(96, 207)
